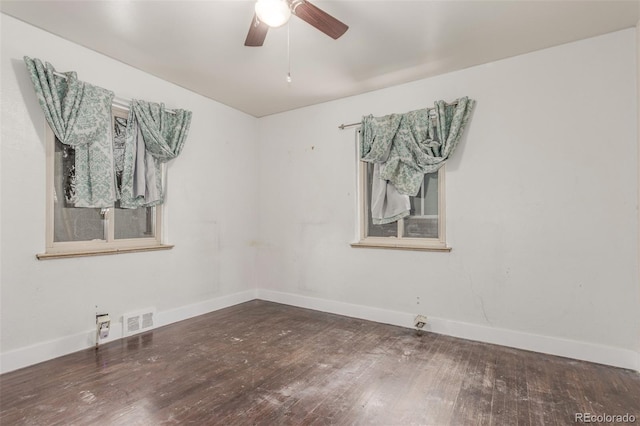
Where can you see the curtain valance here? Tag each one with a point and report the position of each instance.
(80, 116)
(154, 136)
(404, 147)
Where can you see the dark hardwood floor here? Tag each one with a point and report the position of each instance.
(271, 364)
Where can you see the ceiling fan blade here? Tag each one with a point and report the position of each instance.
(319, 18)
(257, 33)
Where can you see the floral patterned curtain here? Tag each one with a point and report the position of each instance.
(407, 146)
(80, 116)
(154, 136)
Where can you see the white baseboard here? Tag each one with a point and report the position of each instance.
(190, 311)
(23, 357)
(608, 355)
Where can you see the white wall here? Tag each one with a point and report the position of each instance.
(541, 209)
(541, 205)
(211, 210)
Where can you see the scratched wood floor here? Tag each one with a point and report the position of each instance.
(271, 364)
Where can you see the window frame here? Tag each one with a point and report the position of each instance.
(399, 242)
(110, 245)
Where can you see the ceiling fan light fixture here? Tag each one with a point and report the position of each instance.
(274, 13)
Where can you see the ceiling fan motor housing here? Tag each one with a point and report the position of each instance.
(281, 10)
(274, 13)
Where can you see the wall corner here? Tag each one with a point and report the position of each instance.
(638, 166)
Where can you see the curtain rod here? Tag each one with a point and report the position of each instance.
(117, 101)
(344, 126)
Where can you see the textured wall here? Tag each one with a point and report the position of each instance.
(210, 214)
(541, 199)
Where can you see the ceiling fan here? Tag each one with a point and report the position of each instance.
(275, 13)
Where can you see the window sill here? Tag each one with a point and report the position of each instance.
(394, 243)
(101, 252)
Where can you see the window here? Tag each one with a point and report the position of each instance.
(73, 231)
(423, 229)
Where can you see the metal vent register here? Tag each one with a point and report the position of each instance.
(137, 322)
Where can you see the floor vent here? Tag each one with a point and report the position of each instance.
(137, 322)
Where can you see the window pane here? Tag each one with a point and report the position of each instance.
(134, 223)
(420, 227)
(423, 221)
(71, 223)
(426, 202)
(119, 133)
(386, 230)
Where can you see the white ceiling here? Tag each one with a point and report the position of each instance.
(199, 45)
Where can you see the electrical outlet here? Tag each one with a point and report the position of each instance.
(103, 322)
(420, 321)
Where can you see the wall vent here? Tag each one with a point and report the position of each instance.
(137, 322)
